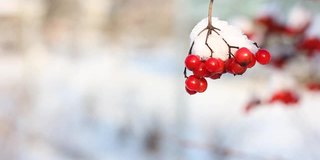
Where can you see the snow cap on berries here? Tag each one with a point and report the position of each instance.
(232, 35)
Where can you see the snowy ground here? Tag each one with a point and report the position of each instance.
(108, 104)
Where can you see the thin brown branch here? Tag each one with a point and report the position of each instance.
(207, 37)
(210, 13)
(185, 69)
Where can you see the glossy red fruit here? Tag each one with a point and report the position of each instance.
(263, 56)
(212, 65)
(192, 83)
(235, 68)
(203, 85)
(243, 56)
(190, 92)
(216, 76)
(227, 65)
(201, 71)
(221, 66)
(192, 62)
(253, 62)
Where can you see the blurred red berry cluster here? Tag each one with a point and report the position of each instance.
(309, 46)
(285, 96)
(290, 45)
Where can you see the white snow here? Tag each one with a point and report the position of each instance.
(314, 29)
(102, 106)
(245, 24)
(231, 34)
(298, 17)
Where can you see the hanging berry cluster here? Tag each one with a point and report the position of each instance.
(213, 68)
(222, 57)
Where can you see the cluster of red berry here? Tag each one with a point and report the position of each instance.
(287, 97)
(300, 42)
(310, 46)
(273, 26)
(213, 68)
(313, 86)
(307, 45)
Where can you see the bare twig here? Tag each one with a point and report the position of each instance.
(210, 13)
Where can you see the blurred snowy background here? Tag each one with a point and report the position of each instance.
(102, 80)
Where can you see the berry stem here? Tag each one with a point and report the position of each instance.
(210, 13)
(185, 72)
(190, 50)
(229, 48)
(185, 69)
(208, 33)
(210, 28)
(256, 44)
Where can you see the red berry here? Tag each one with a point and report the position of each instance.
(291, 98)
(221, 66)
(243, 56)
(267, 21)
(212, 65)
(227, 64)
(285, 96)
(201, 71)
(279, 96)
(203, 85)
(235, 68)
(192, 62)
(192, 83)
(190, 92)
(263, 56)
(314, 86)
(216, 76)
(310, 45)
(253, 62)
